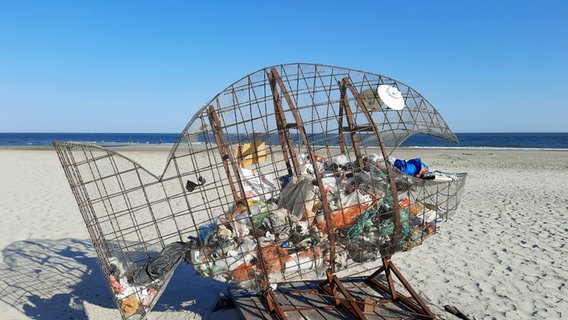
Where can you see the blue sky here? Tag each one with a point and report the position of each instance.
(147, 66)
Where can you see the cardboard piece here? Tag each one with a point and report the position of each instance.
(251, 153)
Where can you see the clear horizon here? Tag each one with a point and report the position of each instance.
(147, 67)
(508, 140)
(177, 133)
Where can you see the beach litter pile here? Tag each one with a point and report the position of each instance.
(291, 228)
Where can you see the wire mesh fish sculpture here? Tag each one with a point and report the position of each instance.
(286, 174)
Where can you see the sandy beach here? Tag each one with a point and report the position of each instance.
(503, 255)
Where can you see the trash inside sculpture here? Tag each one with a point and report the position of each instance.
(283, 175)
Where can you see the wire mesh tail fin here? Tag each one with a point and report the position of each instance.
(129, 219)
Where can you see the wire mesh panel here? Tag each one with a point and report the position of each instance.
(129, 219)
(283, 175)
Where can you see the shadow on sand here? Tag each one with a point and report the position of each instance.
(51, 279)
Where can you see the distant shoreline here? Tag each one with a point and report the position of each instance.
(169, 146)
(468, 141)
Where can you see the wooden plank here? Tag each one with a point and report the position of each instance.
(386, 310)
(359, 289)
(309, 297)
(314, 304)
(249, 305)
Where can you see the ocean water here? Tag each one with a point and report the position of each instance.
(495, 140)
(467, 140)
(102, 139)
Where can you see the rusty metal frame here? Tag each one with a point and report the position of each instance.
(333, 287)
(300, 126)
(390, 171)
(388, 266)
(352, 127)
(226, 155)
(283, 128)
(414, 302)
(131, 214)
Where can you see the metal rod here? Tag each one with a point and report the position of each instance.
(273, 304)
(332, 285)
(342, 91)
(392, 182)
(225, 156)
(416, 303)
(283, 133)
(302, 129)
(344, 103)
